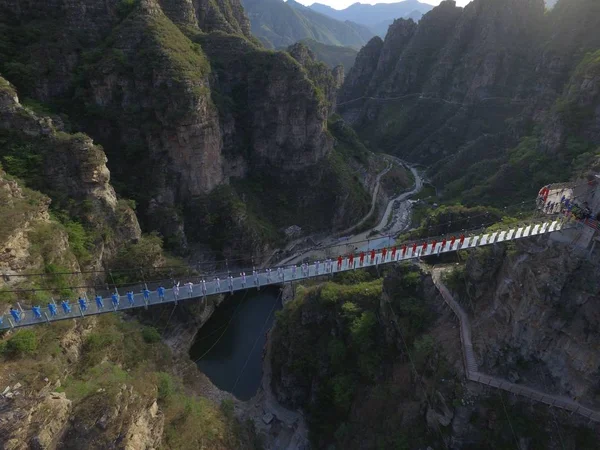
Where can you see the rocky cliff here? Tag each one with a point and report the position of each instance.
(475, 92)
(536, 305)
(379, 364)
(183, 102)
(72, 172)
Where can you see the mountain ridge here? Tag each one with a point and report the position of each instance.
(461, 92)
(373, 15)
(279, 24)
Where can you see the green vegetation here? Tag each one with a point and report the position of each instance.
(150, 335)
(453, 219)
(413, 314)
(16, 210)
(22, 343)
(6, 86)
(229, 219)
(334, 343)
(347, 142)
(354, 353)
(116, 354)
(517, 176)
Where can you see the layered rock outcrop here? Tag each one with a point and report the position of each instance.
(70, 169)
(180, 97)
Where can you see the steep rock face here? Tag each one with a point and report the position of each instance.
(22, 212)
(152, 73)
(536, 315)
(355, 85)
(577, 112)
(47, 71)
(485, 55)
(398, 36)
(181, 110)
(328, 81)
(455, 54)
(70, 169)
(42, 426)
(471, 85)
(223, 15)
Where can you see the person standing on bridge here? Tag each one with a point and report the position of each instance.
(424, 249)
(37, 312)
(176, 291)
(66, 307)
(230, 281)
(317, 267)
(203, 288)
(146, 294)
(115, 300)
(361, 259)
(452, 241)
(52, 309)
(294, 271)
(281, 273)
(190, 287)
(414, 249)
(99, 303)
(16, 314)
(82, 304)
(339, 263)
(393, 255)
(351, 261)
(131, 298)
(384, 253)
(444, 241)
(243, 275)
(372, 256)
(268, 275)
(404, 249)
(161, 293)
(218, 284)
(461, 241)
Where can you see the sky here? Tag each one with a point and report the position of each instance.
(341, 4)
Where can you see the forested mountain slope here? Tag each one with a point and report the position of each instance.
(498, 98)
(187, 106)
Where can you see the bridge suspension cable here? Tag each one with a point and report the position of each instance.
(249, 257)
(83, 307)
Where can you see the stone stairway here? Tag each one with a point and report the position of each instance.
(472, 373)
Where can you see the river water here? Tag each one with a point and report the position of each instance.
(229, 347)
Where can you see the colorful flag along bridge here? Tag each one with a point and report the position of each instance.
(229, 284)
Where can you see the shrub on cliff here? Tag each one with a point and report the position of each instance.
(22, 343)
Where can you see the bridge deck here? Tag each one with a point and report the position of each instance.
(287, 274)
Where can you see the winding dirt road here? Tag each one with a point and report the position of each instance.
(377, 237)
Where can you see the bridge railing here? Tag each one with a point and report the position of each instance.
(281, 275)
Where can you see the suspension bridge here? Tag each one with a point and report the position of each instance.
(83, 307)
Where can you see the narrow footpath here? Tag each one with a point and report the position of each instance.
(373, 201)
(471, 369)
